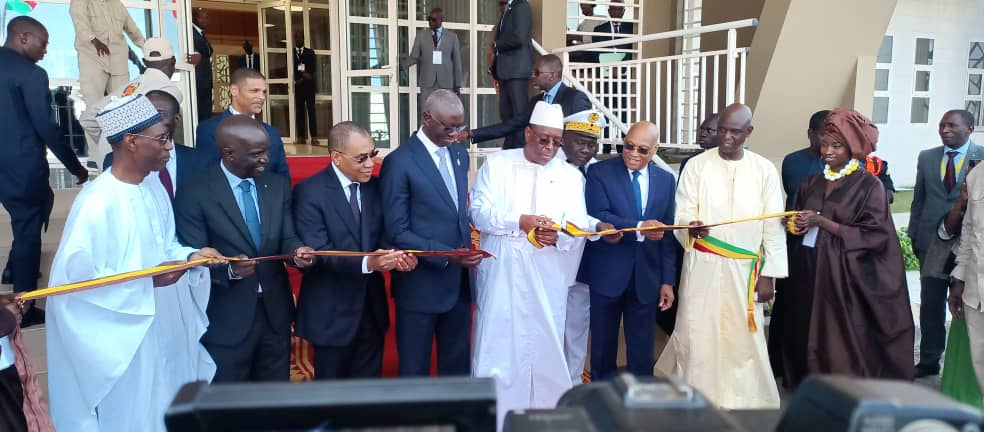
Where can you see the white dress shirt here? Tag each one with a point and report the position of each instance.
(7, 356)
(234, 112)
(345, 182)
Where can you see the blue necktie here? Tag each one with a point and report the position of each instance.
(442, 154)
(638, 192)
(249, 212)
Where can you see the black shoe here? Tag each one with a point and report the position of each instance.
(32, 316)
(923, 371)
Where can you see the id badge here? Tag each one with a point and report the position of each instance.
(438, 58)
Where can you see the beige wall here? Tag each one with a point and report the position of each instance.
(550, 23)
(721, 11)
(805, 57)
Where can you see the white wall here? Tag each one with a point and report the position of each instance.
(954, 24)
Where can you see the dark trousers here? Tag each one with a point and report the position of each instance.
(11, 402)
(932, 320)
(304, 108)
(263, 356)
(513, 101)
(416, 331)
(27, 217)
(639, 328)
(204, 96)
(362, 357)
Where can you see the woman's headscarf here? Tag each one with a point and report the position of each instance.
(854, 129)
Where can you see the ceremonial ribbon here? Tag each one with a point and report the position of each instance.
(724, 249)
(169, 268)
(574, 231)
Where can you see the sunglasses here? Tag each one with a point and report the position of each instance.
(362, 158)
(632, 147)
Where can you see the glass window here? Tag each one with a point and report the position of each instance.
(369, 45)
(322, 110)
(320, 22)
(456, 12)
(879, 114)
(370, 8)
(489, 12)
(297, 25)
(881, 80)
(276, 65)
(975, 108)
(146, 21)
(976, 58)
(280, 113)
(61, 62)
(924, 51)
(920, 110)
(974, 85)
(488, 114)
(922, 81)
(885, 51)
(372, 111)
(323, 64)
(404, 118)
(276, 28)
(404, 44)
(484, 59)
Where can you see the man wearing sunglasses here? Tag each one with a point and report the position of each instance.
(437, 54)
(547, 77)
(425, 190)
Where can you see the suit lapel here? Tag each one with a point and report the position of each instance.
(460, 177)
(265, 197)
(368, 205)
(227, 200)
(651, 199)
(337, 195)
(625, 185)
(426, 164)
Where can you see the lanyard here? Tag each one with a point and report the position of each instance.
(956, 167)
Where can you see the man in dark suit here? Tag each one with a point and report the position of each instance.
(185, 161)
(243, 211)
(939, 173)
(425, 186)
(203, 69)
(547, 78)
(304, 89)
(632, 279)
(249, 59)
(512, 62)
(26, 128)
(249, 91)
(342, 309)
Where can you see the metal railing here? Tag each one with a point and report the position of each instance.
(676, 92)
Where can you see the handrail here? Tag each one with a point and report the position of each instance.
(751, 22)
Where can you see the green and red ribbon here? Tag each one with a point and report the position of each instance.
(716, 246)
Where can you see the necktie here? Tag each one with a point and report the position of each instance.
(354, 203)
(638, 192)
(442, 155)
(434, 36)
(950, 176)
(547, 98)
(616, 26)
(166, 181)
(249, 212)
(584, 170)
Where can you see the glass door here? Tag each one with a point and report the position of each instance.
(369, 74)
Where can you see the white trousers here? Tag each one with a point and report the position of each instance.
(576, 329)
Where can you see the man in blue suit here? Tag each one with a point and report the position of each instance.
(185, 161)
(248, 89)
(25, 130)
(342, 309)
(633, 278)
(425, 191)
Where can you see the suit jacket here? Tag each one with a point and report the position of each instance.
(446, 75)
(241, 61)
(930, 201)
(107, 21)
(513, 51)
(334, 291)
(203, 70)
(307, 59)
(608, 269)
(623, 28)
(570, 99)
(205, 143)
(421, 215)
(26, 127)
(188, 162)
(206, 214)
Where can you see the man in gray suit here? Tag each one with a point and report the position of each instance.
(437, 54)
(939, 173)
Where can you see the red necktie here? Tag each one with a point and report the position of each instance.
(166, 181)
(950, 176)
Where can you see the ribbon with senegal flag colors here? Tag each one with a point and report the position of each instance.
(724, 249)
(184, 265)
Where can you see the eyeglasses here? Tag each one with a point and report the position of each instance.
(163, 140)
(544, 141)
(362, 158)
(632, 147)
(540, 72)
(448, 130)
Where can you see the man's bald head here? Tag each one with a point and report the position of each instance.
(244, 145)
(734, 126)
(28, 37)
(641, 143)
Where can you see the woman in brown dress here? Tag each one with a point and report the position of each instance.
(847, 279)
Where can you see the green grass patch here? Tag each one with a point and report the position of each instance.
(903, 201)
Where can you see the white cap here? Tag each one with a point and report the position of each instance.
(156, 49)
(127, 115)
(548, 115)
